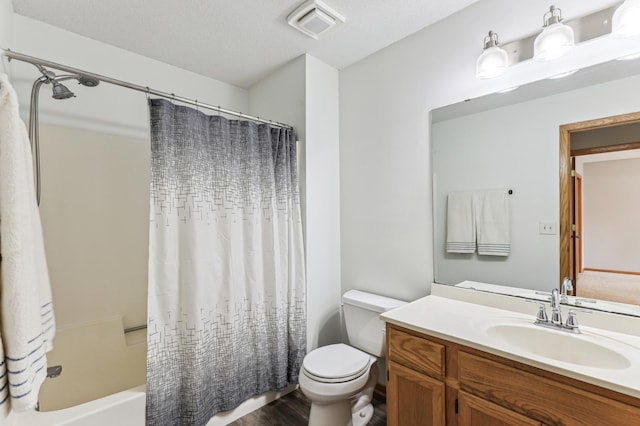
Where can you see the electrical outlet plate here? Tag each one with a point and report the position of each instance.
(548, 228)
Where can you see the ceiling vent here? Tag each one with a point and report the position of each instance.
(314, 18)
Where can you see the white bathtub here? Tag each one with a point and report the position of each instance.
(126, 408)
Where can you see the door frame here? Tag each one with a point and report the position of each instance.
(566, 187)
(577, 219)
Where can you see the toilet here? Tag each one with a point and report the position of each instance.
(339, 379)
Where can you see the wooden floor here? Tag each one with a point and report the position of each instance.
(293, 410)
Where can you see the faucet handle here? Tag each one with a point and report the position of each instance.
(572, 320)
(542, 314)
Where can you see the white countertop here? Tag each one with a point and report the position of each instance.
(464, 323)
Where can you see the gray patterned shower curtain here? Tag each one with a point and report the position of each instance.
(227, 310)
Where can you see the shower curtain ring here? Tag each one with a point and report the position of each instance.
(147, 93)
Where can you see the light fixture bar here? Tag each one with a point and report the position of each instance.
(585, 28)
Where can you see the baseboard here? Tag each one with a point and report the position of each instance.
(381, 390)
(612, 271)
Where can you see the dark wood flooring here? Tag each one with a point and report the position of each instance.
(293, 410)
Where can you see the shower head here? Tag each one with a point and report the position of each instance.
(60, 91)
(88, 81)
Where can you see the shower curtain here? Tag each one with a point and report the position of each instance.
(227, 310)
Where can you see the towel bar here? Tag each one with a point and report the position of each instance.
(136, 328)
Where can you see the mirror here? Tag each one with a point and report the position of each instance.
(512, 141)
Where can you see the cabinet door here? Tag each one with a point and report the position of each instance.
(413, 398)
(478, 412)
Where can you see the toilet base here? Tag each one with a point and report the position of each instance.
(363, 416)
(335, 414)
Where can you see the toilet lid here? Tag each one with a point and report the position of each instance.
(336, 363)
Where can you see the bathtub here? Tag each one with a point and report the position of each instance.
(126, 408)
(98, 359)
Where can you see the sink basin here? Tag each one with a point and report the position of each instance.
(558, 345)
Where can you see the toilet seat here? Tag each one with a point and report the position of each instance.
(337, 363)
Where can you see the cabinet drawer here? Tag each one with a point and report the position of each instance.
(475, 412)
(538, 397)
(416, 353)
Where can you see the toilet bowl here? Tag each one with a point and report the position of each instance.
(334, 377)
(339, 379)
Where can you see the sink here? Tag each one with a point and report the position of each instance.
(558, 345)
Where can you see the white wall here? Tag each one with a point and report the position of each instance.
(304, 93)
(515, 147)
(323, 203)
(107, 108)
(281, 96)
(6, 30)
(385, 165)
(610, 215)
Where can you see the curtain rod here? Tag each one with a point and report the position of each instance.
(37, 61)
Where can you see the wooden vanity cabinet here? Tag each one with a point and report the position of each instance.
(425, 407)
(431, 381)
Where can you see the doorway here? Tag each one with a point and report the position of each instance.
(618, 135)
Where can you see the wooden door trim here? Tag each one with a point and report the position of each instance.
(603, 149)
(566, 192)
(578, 239)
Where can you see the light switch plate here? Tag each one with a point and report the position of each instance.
(548, 228)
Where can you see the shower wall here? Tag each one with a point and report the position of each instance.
(95, 216)
(94, 210)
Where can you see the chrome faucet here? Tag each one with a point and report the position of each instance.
(556, 316)
(567, 286)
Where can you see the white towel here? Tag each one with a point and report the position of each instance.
(461, 226)
(492, 222)
(26, 312)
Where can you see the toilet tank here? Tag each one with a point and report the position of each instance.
(365, 329)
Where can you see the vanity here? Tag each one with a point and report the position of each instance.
(452, 362)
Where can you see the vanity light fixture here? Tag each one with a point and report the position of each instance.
(494, 60)
(556, 38)
(626, 19)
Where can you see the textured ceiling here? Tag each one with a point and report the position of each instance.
(237, 41)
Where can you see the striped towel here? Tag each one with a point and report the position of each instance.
(26, 313)
(492, 221)
(461, 226)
